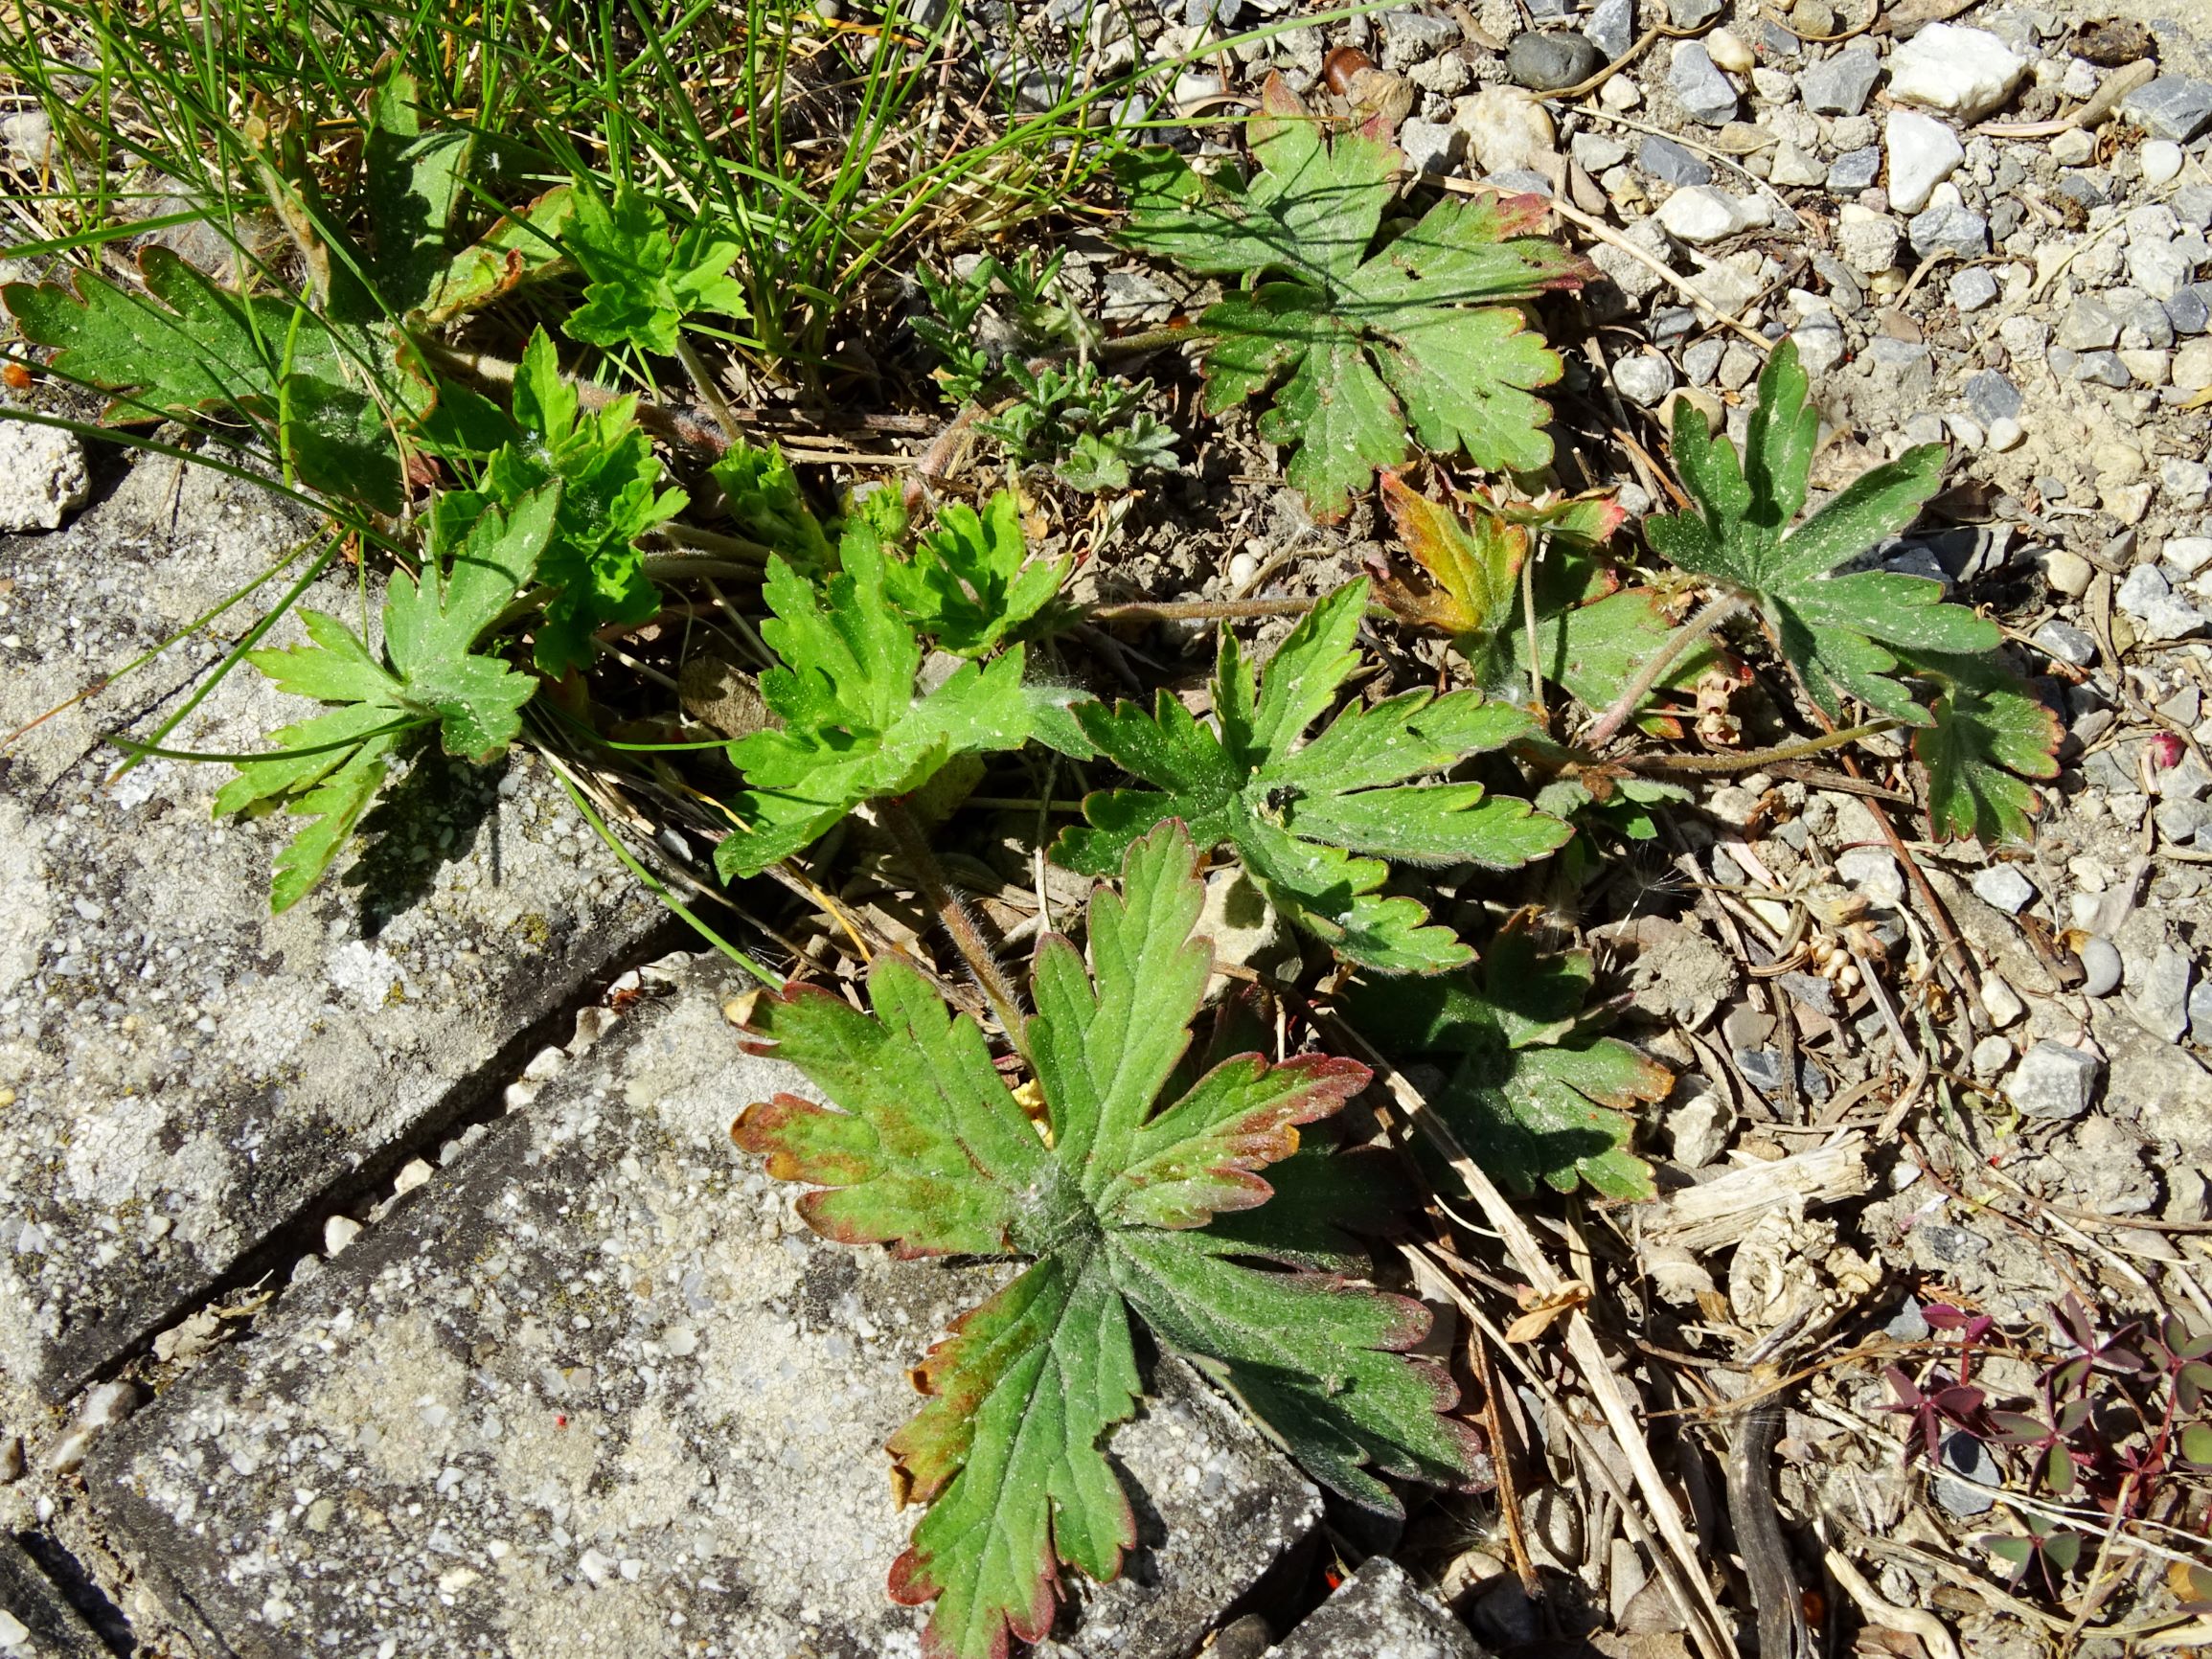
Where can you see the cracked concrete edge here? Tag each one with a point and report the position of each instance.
(36, 1619)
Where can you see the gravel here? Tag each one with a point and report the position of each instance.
(2053, 1081)
(1841, 84)
(1702, 89)
(2005, 887)
(1966, 74)
(1923, 153)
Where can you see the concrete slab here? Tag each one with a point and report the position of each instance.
(596, 1390)
(1379, 1613)
(36, 1621)
(181, 1074)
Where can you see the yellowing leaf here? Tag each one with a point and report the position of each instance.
(928, 1149)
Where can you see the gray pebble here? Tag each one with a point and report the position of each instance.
(1612, 27)
(2005, 887)
(1856, 169)
(1700, 88)
(2053, 1081)
(1841, 84)
(1548, 63)
(2101, 964)
(1670, 163)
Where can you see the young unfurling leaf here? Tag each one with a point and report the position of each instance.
(611, 496)
(643, 283)
(1300, 816)
(1841, 633)
(330, 767)
(851, 725)
(762, 495)
(926, 1150)
(971, 582)
(1532, 1098)
(1362, 339)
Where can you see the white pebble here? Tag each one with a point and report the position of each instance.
(1727, 51)
(2005, 434)
(338, 1232)
(2161, 162)
(2005, 887)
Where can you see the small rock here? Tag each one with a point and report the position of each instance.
(2100, 966)
(1700, 214)
(1991, 396)
(109, 1404)
(1990, 1056)
(1923, 153)
(1872, 871)
(1813, 19)
(1700, 1129)
(2161, 160)
(1970, 1472)
(43, 477)
(2005, 887)
(1949, 229)
(2001, 1002)
(1973, 288)
(1966, 73)
(2192, 369)
(1612, 27)
(1688, 14)
(1821, 344)
(2159, 992)
(1546, 62)
(1670, 163)
(2173, 108)
(1432, 146)
(1841, 84)
(1699, 86)
(1595, 154)
(1792, 166)
(2070, 574)
(1506, 127)
(338, 1232)
(2187, 554)
(1867, 239)
(2053, 1081)
(2089, 326)
(1644, 377)
(2074, 148)
(2005, 435)
(1854, 170)
(2148, 597)
(1727, 51)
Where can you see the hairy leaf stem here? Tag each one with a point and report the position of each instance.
(1710, 616)
(953, 913)
(1758, 758)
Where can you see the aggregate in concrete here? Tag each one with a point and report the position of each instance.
(182, 1073)
(36, 1621)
